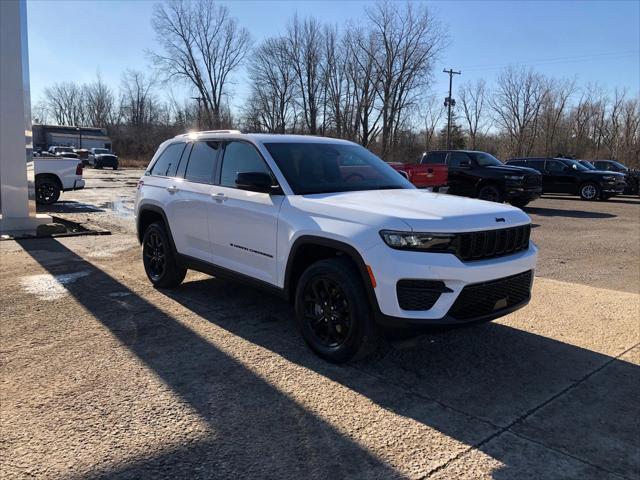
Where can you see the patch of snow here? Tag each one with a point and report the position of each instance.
(50, 287)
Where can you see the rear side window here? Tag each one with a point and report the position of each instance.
(167, 163)
(203, 162)
(439, 158)
(240, 157)
(555, 166)
(536, 165)
(456, 158)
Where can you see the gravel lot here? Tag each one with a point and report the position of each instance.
(104, 376)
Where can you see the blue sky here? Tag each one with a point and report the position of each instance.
(590, 41)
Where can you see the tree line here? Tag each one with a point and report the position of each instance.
(369, 82)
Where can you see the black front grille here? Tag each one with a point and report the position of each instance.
(419, 294)
(482, 299)
(533, 180)
(492, 243)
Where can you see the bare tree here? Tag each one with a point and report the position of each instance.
(138, 104)
(552, 113)
(305, 41)
(202, 45)
(432, 113)
(98, 103)
(273, 81)
(406, 43)
(472, 97)
(64, 102)
(516, 104)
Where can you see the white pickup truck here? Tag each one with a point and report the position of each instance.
(55, 175)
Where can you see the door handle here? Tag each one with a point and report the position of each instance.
(219, 197)
(172, 189)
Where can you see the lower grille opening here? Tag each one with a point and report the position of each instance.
(485, 298)
(419, 294)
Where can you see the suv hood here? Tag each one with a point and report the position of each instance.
(513, 170)
(411, 209)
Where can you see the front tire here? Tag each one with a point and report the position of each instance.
(47, 191)
(333, 311)
(490, 193)
(160, 263)
(589, 191)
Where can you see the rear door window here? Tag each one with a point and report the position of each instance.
(536, 165)
(167, 163)
(435, 158)
(203, 162)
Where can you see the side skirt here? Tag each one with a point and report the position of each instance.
(221, 272)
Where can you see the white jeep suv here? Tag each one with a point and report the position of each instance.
(329, 226)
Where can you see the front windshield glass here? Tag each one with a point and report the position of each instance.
(619, 166)
(100, 150)
(485, 159)
(333, 167)
(575, 165)
(65, 149)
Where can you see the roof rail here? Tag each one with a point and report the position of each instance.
(191, 134)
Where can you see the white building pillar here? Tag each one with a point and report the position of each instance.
(17, 207)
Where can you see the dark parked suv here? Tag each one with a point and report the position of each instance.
(562, 175)
(481, 175)
(631, 176)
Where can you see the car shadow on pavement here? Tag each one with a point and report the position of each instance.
(471, 384)
(556, 212)
(68, 206)
(258, 431)
(493, 373)
(618, 199)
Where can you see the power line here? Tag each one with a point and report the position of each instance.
(556, 60)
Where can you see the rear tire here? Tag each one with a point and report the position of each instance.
(47, 191)
(589, 192)
(160, 263)
(333, 311)
(490, 193)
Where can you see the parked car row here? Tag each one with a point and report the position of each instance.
(520, 180)
(96, 157)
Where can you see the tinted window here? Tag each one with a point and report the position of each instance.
(167, 164)
(485, 159)
(575, 165)
(536, 165)
(202, 162)
(240, 157)
(517, 163)
(456, 158)
(333, 167)
(601, 165)
(435, 158)
(555, 166)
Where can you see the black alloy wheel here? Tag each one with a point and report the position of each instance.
(155, 255)
(490, 193)
(327, 311)
(47, 191)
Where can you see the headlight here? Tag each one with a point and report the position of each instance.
(608, 177)
(514, 178)
(430, 242)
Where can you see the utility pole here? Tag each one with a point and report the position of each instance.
(450, 102)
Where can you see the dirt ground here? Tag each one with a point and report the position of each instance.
(104, 376)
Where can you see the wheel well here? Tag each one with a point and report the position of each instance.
(146, 218)
(50, 176)
(306, 255)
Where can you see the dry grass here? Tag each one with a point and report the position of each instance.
(133, 162)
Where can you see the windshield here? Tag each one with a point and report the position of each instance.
(619, 166)
(64, 149)
(575, 165)
(333, 167)
(100, 150)
(485, 159)
(589, 165)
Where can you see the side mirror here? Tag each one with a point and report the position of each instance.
(256, 182)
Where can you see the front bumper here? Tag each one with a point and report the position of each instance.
(523, 193)
(389, 266)
(613, 187)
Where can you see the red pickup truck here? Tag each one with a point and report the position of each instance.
(430, 171)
